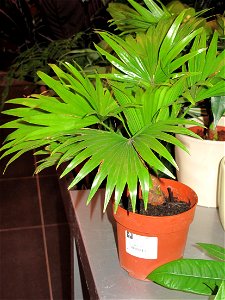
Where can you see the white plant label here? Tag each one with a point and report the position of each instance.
(141, 246)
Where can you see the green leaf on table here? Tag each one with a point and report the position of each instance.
(190, 275)
(213, 250)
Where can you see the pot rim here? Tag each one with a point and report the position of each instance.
(152, 224)
(165, 181)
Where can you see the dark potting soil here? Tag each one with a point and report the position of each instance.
(171, 206)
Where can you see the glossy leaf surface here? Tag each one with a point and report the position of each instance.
(82, 126)
(213, 250)
(190, 275)
(153, 57)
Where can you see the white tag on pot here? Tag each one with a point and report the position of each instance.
(141, 246)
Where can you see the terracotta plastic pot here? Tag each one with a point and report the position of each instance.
(199, 169)
(146, 242)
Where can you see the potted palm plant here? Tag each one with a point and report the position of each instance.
(118, 125)
(206, 86)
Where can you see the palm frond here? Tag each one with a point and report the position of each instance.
(136, 17)
(209, 67)
(152, 57)
(102, 150)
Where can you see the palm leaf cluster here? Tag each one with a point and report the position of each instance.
(153, 57)
(116, 124)
(138, 18)
(77, 127)
(210, 66)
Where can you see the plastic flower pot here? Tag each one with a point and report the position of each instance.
(199, 169)
(146, 242)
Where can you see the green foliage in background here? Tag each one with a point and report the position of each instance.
(78, 49)
(138, 17)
